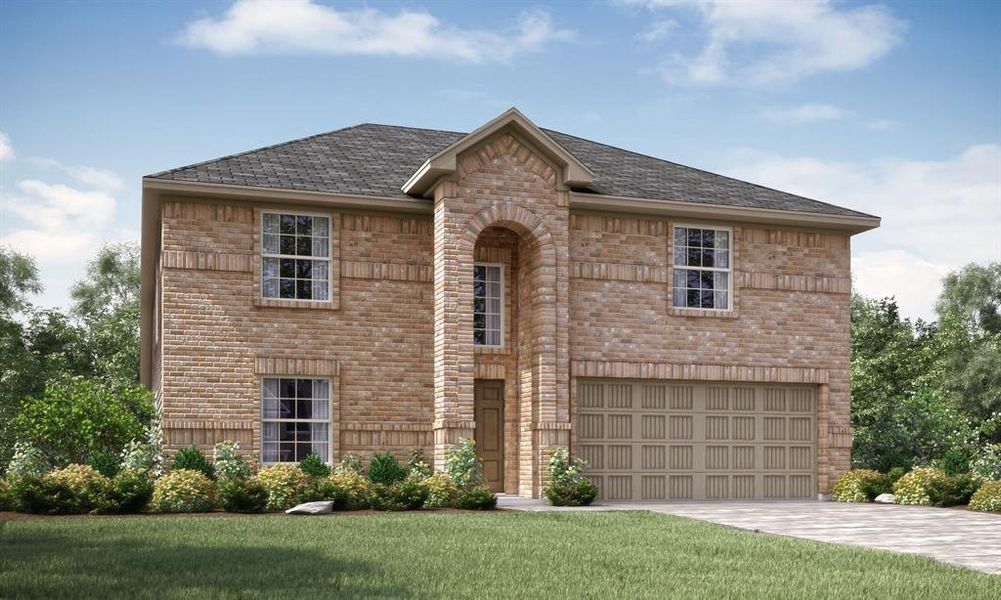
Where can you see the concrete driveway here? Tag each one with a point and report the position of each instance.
(953, 536)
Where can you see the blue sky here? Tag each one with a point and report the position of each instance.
(890, 108)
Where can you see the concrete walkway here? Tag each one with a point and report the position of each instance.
(957, 537)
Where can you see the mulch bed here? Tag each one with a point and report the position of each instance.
(16, 516)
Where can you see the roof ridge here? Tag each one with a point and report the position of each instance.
(251, 151)
(714, 174)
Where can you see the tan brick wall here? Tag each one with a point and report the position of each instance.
(586, 295)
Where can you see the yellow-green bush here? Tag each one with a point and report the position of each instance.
(987, 498)
(853, 485)
(353, 487)
(920, 486)
(442, 491)
(286, 485)
(183, 490)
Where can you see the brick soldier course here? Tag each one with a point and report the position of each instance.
(584, 233)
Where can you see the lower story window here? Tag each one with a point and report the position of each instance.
(296, 420)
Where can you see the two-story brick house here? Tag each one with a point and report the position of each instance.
(390, 288)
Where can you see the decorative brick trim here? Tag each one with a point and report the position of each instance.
(520, 219)
(453, 424)
(703, 312)
(617, 272)
(207, 261)
(186, 424)
(494, 255)
(489, 371)
(386, 426)
(700, 372)
(386, 271)
(794, 282)
(795, 238)
(628, 225)
(387, 224)
(551, 426)
(206, 211)
(280, 365)
(840, 436)
(507, 146)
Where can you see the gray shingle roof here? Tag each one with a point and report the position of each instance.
(376, 160)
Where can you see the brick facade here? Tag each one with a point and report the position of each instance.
(586, 295)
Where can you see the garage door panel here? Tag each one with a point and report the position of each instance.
(651, 440)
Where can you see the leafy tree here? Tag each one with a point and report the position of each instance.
(973, 294)
(18, 281)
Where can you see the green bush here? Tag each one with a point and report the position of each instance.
(228, 463)
(442, 491)
(286, 485)
(987, 498)
(130, 492)
(856, 485)
(954, 461)
(921, 486)
(76, 489)
(312, 466)
(385, 469)
(27, 460)
(242, 495)
(475, 498)
(352, 490)
(955, 490)
(193, 459)
(417, 467)
(6, 502)
(327, 490)
(106, 463)
(145, 453)
(183, 490)
(77, 418)
(567, 484)
(408, 494)
(987, 463)
(349, 463)
(463, 466)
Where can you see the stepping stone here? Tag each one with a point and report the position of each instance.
(312, 508)
(884, 499)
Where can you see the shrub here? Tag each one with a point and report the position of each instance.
(856, 485)
(130, 492)
(193, 459)
(6, 502)
(328, 490)
(987, 498)
(476, 498)
(75, 489)
(987, 463)
(286, 485)
(442, 491)
(145, 453)
(417, 467)
(27, 460)
(956, 490)
(183, 490)
(882, 484)
(920, 486)
(463, 466)
(349, 463)
(408, 494)
(105, 463)
(242, 495)
(227, 462)
(385, 469)
(78, 417)
(954, 461)
(312, 466)
(27, 493)
(353, 488)
(567, 484)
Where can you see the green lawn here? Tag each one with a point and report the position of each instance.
(469, 555)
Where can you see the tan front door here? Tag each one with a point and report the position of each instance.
(687, 440)
(488, 403)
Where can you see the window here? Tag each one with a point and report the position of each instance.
(296, 257)
(488, 304)
(296, 419)
(701, 268)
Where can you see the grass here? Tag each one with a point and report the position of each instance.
(468, 555)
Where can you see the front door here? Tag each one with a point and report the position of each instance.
(488, 404)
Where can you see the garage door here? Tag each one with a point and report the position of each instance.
(670, 440)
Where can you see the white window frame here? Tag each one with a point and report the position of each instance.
(330, 250)
(329, 421)
(728, 270)
(503, 306)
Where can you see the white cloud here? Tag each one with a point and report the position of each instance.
(805, 113)
(306, 27)
(6, 150)
(937, 215)
(769, 42)
(882, 124)
(659, 30)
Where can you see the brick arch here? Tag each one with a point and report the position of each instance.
(516, 218)
(506, 145)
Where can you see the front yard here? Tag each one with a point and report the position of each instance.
(437, 554)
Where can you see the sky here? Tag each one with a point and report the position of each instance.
(893, 109)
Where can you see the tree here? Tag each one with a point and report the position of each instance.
(18, 281)
(973, 294)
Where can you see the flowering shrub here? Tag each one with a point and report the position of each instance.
(463, 466)
(385, 469)
(228, 463)
(183, 490)
(987, 463)
(349, 463)
(145, 454)
(442, 491)
(81, 489)
(987, 498)
(408, 494)
(567, 484)
(130, 491)
(417, 467)
(286, 485)
(920, 486)
(27, 460)
(312, 466)
(854, 485)
(242, 495)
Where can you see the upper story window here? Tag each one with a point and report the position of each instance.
(488, 305)
(296, 256)
(296, 419)
(702, 274)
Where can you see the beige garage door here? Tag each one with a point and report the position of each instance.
(670, 440)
